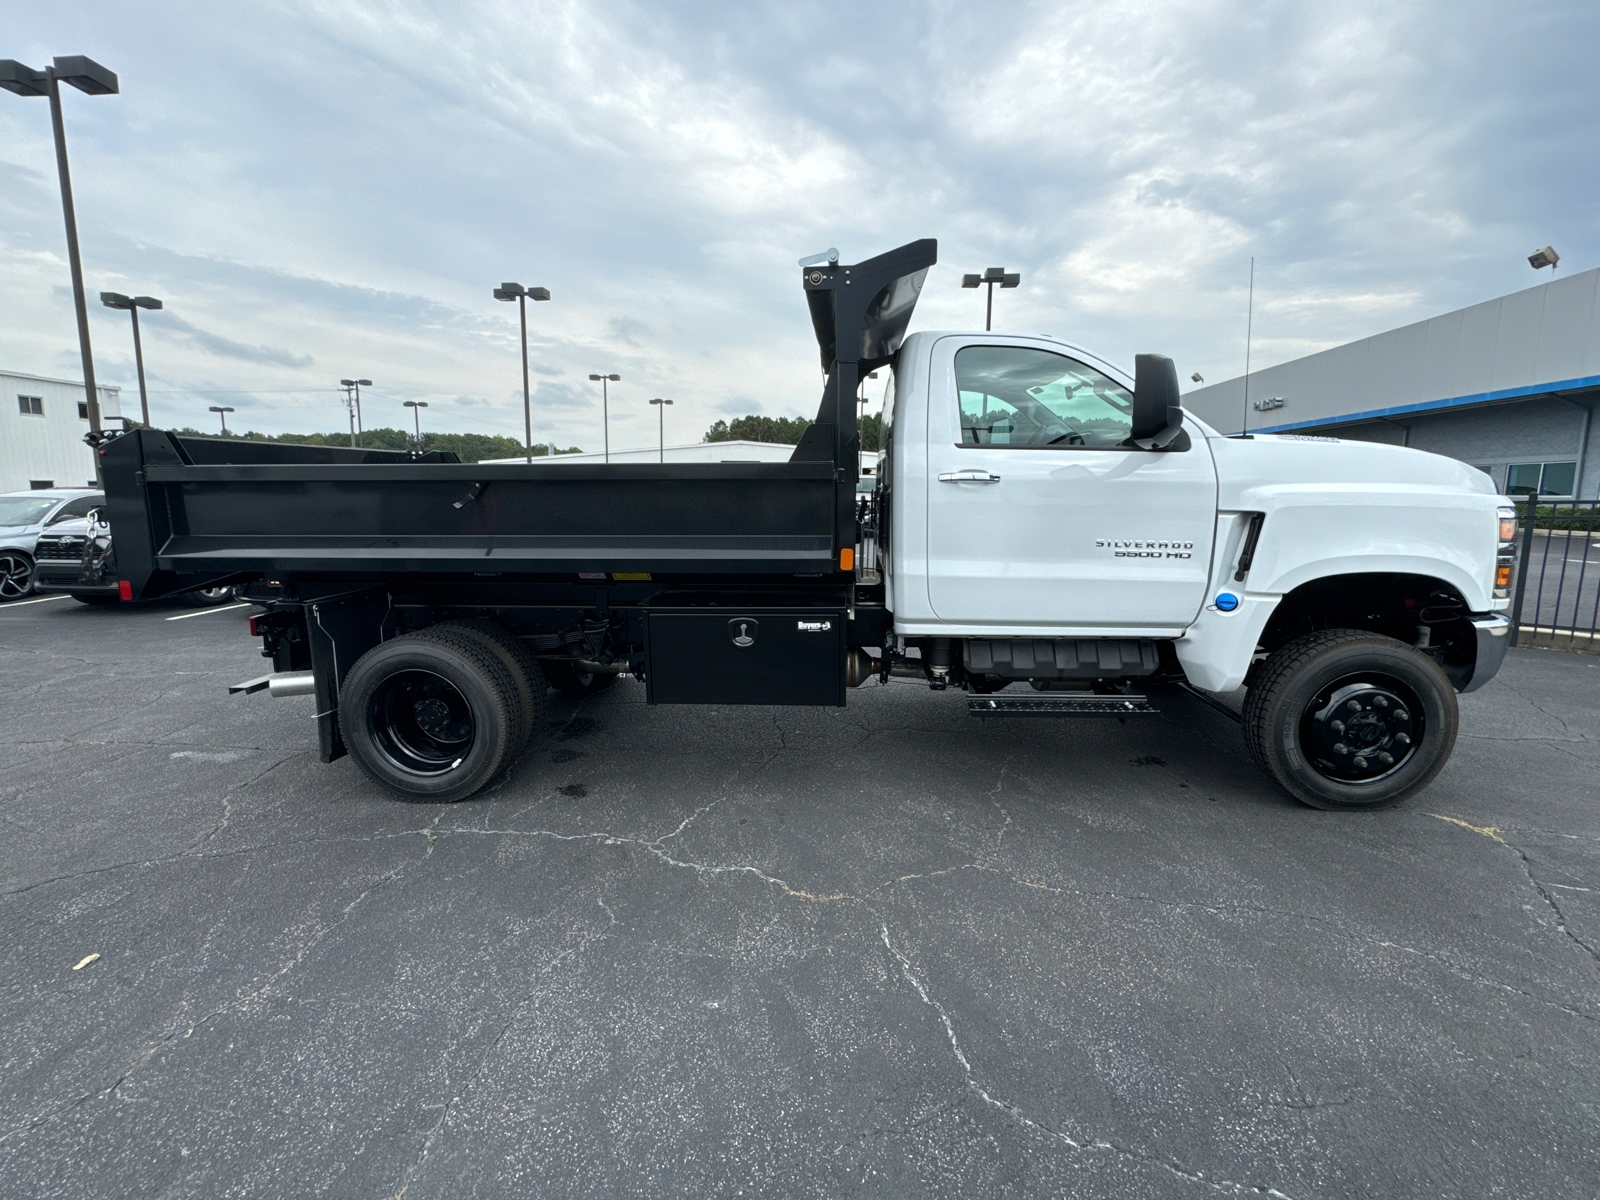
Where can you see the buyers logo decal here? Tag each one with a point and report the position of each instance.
(813, 626)
(742, 632)
(1120, 549)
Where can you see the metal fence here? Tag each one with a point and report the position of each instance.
(1557, 598)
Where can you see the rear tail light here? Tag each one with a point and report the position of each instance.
(254, 631)
(124, 589)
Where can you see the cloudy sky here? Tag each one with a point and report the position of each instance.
(328, 189)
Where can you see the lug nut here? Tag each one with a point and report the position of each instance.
(1382, 702)
(1401, 714)
(1386, 759)
(1353, 705)
(1336, 726)
(1341, 748)
(1402, 739)
(1361, 763)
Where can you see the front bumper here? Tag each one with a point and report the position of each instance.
(59, 575)
(1494, 636)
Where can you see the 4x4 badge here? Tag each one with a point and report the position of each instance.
(742, 631)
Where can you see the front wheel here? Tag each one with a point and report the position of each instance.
(434, 718)
(1346, 719)
(16, 575)
(207, 597)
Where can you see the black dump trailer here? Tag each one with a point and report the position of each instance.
(428, 603)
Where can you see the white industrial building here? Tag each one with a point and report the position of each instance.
(1509, 386)
(42, 423)
(694, 452)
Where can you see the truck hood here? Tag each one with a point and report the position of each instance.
(1291, 461)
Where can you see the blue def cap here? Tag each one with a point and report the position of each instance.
(1227, 601)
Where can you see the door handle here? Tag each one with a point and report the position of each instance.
(968, 476)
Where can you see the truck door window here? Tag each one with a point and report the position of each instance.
(1019, 396)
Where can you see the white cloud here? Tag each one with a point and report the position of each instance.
(321, 189)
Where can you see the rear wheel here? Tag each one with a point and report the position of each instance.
(1346, 719)
(432, 717)
(517, 659)
(16, 575)
(572, 680)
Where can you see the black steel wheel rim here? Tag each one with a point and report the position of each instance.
(1362, 727)
(421, 722)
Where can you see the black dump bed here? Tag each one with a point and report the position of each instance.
(186, 512)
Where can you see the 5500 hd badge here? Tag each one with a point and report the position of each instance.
(1145, 549)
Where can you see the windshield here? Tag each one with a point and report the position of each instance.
(25, 510)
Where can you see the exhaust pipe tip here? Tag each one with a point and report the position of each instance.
(292, 683)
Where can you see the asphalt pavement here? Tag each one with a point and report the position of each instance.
(888, 950)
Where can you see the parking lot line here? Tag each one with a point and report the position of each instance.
(204, 611)
(40, 600)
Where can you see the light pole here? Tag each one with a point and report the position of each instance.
(661, 413)
(416, 407)
(991, 276)
(87, 76)
(605, 406)
(515, 291)
(223, 413)
(133, 304)
(349, 386)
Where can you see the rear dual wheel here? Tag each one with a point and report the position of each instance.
(1351, 720)
(441, 714)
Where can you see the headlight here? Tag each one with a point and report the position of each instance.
(1505, 553)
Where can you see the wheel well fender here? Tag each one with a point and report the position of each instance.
(1424, 611)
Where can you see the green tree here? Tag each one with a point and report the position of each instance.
(784, 431)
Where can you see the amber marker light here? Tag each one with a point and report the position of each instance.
(1502, 576)
(847, 560)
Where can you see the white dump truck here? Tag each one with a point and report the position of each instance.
(1048, 534)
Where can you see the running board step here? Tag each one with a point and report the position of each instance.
(1060, 706)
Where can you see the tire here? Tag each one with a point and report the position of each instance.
(1350, 720)
(435, 718)
(207, 597)
(567, 679)
(16, 575)
(95, 598)
(518, 661)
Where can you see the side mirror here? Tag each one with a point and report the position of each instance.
(1157, 414)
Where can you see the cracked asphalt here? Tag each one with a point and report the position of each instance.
(881, 951)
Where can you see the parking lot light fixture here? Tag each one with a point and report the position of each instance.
(515, 291)
(93, 79)
(990, 277)
(416, 407)
(133, 304)
(352, 387)
(1197, 377)
(661, 414)
(605, 407)
(223, 413)
(1547, 257)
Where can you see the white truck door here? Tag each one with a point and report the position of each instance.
(1039, 515)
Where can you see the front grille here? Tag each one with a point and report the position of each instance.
(69, 549)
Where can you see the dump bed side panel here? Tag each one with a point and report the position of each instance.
(176, 521)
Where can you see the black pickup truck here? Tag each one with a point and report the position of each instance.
(427, 603)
